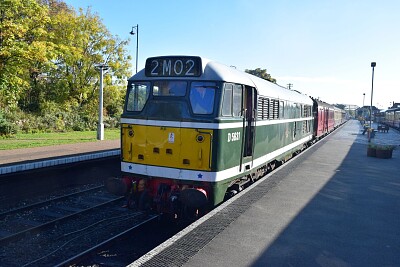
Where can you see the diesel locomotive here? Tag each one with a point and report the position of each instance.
(194, 132)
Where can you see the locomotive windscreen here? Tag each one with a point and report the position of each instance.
(175, 66)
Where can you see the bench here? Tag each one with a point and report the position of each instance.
(366, 129)
(383, 128)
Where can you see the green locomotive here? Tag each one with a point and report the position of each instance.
(194, 132)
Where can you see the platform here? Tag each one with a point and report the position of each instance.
(330, 206)
(16, 160)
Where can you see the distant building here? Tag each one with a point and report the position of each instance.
(363, 113)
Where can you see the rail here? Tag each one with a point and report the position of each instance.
(41, 226)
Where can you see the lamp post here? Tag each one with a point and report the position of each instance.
(100, 127)
(373, 64)
(363, 109)
(137, 41)
(363, 99)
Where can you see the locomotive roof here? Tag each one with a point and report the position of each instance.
(215, 71)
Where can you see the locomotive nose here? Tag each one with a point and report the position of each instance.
(193, 197)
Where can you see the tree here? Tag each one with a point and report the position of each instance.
(82, 42)
(341, 106)
(262, 73)
(23, 46)
(48, 54)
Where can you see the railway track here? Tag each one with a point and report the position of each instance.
(48, 202)
(61, 229)
(22, 188)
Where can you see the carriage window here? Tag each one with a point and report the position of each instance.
(307, 111)
(202, 96)
(297, 110)
(237, 100)
(169, 88)
(138, 95)
(275, 109)
(281, 109)
(227, 100)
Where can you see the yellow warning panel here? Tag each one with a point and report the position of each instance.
(182, 148)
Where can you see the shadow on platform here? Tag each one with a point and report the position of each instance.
(352, 221)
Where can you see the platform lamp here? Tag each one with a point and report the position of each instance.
(363, 109)
(137, 41)
(373, 64)
(363, 99)
(100, 127)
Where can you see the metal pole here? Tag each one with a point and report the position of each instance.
(100, 126)
(363, 99)
(373, 64)
(137, 44)
(363, 109)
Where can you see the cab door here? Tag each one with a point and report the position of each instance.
(249, 126)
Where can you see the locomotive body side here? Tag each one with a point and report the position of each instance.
(177, 155)
(284, 122)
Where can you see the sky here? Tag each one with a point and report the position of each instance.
(324, 48)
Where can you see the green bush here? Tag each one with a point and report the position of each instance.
(54, 119)
(6, 128)
(111, 122)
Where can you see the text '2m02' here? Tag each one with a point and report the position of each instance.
(173, 67)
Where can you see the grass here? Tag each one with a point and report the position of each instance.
(50, 139)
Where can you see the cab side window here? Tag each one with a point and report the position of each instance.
(237, 100)
(227, 100)
(232, 100)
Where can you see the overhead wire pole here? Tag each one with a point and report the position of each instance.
(100, 127)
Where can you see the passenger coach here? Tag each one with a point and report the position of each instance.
(195, 131)
(392, 118)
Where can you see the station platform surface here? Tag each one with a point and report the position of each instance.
(15, 160)
(330, 206)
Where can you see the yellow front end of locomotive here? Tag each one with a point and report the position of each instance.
(183, 148)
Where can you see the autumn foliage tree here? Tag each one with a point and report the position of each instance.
(47, 56)
(22, 47)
